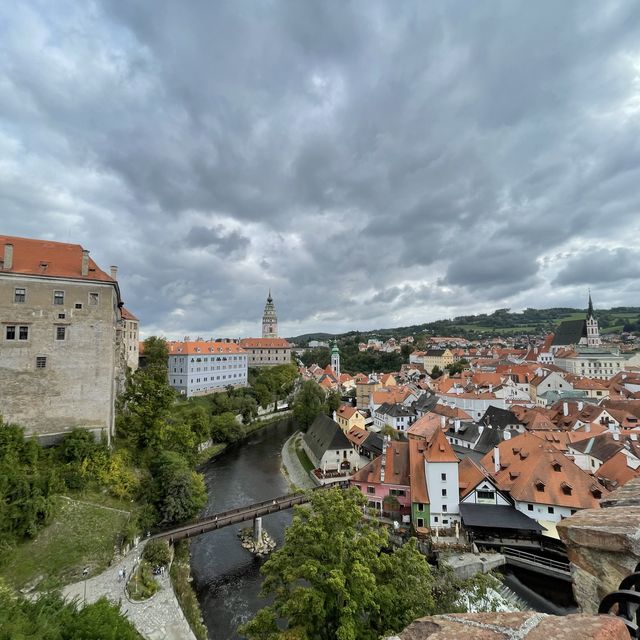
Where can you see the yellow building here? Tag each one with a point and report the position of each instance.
(440, 358)
(348, 416)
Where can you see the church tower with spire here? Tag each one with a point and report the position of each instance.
(335, 360)
(593, 333)
(269, 319)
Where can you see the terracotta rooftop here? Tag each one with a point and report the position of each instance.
(127, 315)
(264, 343)
(396, 466)
(532, 471)
(45, 258)
(346, 411)
(419, 490)
(203, 347)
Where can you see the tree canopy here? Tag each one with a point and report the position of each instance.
(333, 578)
(50, 617)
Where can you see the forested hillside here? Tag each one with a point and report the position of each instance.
(501, 322)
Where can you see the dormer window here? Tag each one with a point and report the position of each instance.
(539, 485)
(597, 494)
(556, 466)
(566, 488)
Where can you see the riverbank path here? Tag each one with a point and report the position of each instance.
(159, 618)
(292, 467)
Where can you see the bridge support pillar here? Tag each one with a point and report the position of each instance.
(257, 530)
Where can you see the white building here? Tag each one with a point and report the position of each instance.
(201, 367)
(441, 473)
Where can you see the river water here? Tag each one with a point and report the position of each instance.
(226, 576)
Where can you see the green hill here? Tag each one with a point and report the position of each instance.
(502, 322)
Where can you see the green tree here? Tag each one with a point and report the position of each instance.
(144, 407)
(333, 402)
(309, 404)
(156, 353)
(436, 372)
(225, 428)
(332, 580)
(178, 493)
(50, 617)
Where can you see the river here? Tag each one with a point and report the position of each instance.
(226, 576)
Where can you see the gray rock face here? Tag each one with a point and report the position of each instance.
(603, 545)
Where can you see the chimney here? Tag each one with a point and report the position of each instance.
(565, 408)
(456, 425)
(616, 436)
(85, 263)
(443, 422)
(114, 271)
(580, 405)
(496, 459)
(8, 257)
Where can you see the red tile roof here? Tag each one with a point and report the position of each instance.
(203, 347)
(127, 315)
(264, 343)
(528, 472)
(419, 490)
(49, 259)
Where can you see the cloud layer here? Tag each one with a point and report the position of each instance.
(373, 163)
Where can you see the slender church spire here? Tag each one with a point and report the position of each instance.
(593, 332)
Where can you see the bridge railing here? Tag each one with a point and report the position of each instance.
(230, 516)
(533, 558)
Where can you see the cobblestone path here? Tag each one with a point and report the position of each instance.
(159, 618)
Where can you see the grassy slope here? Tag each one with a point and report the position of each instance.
(80, 535)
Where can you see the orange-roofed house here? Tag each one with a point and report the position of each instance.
(348, 416)
(421, 474)
(542, 482)
(200, 367)
(63, 357)
(477, 486)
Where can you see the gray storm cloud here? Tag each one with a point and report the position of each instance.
(366, 160)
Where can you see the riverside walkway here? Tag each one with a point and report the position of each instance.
(158, 618)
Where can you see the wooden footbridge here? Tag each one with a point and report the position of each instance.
(233, 516)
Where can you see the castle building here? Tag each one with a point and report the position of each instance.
(62, 354)
(269, 319)
(269, 350)
(131, 337)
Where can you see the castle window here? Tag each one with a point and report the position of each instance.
(78, 305)
(41, 362)
(11, 332)
(94, 298)
(19, 294)
(61, 333)
(58, 297)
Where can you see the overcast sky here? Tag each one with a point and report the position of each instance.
(374, 163)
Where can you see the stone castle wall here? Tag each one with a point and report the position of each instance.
(77, 386)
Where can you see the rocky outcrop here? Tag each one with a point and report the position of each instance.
(603, 545)
(515, 626)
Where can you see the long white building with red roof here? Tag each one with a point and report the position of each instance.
(200, 367)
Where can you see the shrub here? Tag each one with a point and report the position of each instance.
(157, 553)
